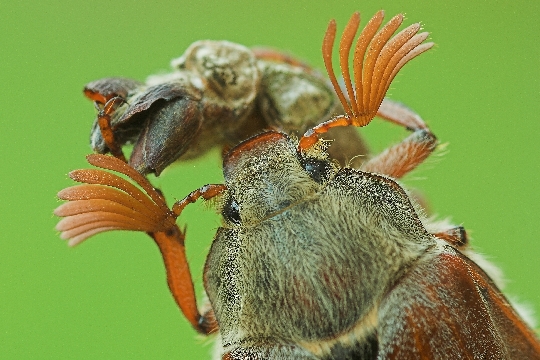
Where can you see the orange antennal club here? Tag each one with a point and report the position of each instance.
(377, 59)
(105, 202)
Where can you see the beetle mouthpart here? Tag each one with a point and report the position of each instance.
(376, 61)
(108, 202)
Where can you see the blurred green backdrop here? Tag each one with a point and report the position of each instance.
(478, 90)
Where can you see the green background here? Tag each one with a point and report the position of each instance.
(478, 90)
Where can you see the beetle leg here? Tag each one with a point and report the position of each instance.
(456, 236)
(104, 122)
(108, 94)
(178, 275)
(399, 114)
(402, 158)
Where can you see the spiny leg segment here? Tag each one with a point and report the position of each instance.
(108, 94)
(107, 132)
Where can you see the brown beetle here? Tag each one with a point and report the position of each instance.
(316, 261)
(218, 94)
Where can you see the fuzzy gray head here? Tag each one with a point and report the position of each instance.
(266, 174)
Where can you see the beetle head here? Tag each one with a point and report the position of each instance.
(267, 174)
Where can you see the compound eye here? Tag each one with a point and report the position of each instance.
(317, 169)
(231, 211)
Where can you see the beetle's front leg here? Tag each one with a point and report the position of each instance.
(401, 158)
(399, 114)
(108, 94)
(104, 122)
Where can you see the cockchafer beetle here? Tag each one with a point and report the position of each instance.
(313, 260)
(218, 94)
